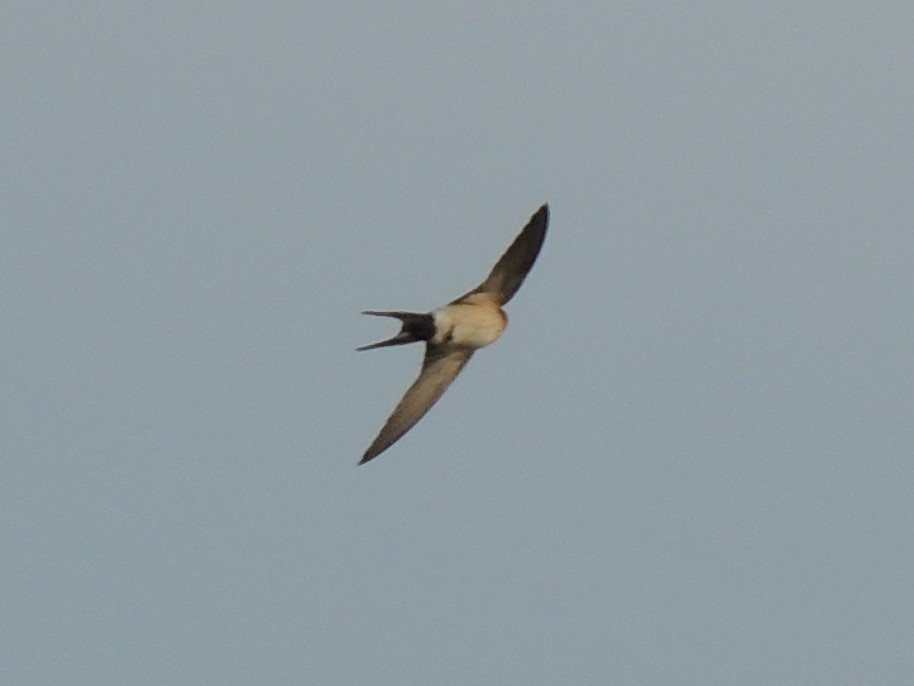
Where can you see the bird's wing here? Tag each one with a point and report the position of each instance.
(440, 367)
(509, 272)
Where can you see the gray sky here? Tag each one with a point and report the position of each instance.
(687, 461)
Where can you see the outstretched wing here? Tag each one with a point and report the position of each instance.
(511, 269)
(440, 367)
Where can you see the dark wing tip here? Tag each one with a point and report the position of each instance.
(375, 449)
(511, 270)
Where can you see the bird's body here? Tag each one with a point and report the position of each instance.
(452, 333)
(474, 322)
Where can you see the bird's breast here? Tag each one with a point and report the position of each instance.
(471, 326)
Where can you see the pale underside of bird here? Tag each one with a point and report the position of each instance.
(452, 333)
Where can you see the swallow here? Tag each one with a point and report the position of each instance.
(452, 333)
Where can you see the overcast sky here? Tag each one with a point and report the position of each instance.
(689, 459)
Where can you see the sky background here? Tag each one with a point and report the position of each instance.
(689, 460)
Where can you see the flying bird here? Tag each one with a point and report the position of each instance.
(452, 333)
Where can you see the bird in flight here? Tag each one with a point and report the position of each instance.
(452, 333)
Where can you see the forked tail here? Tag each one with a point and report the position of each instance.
(416, 327)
